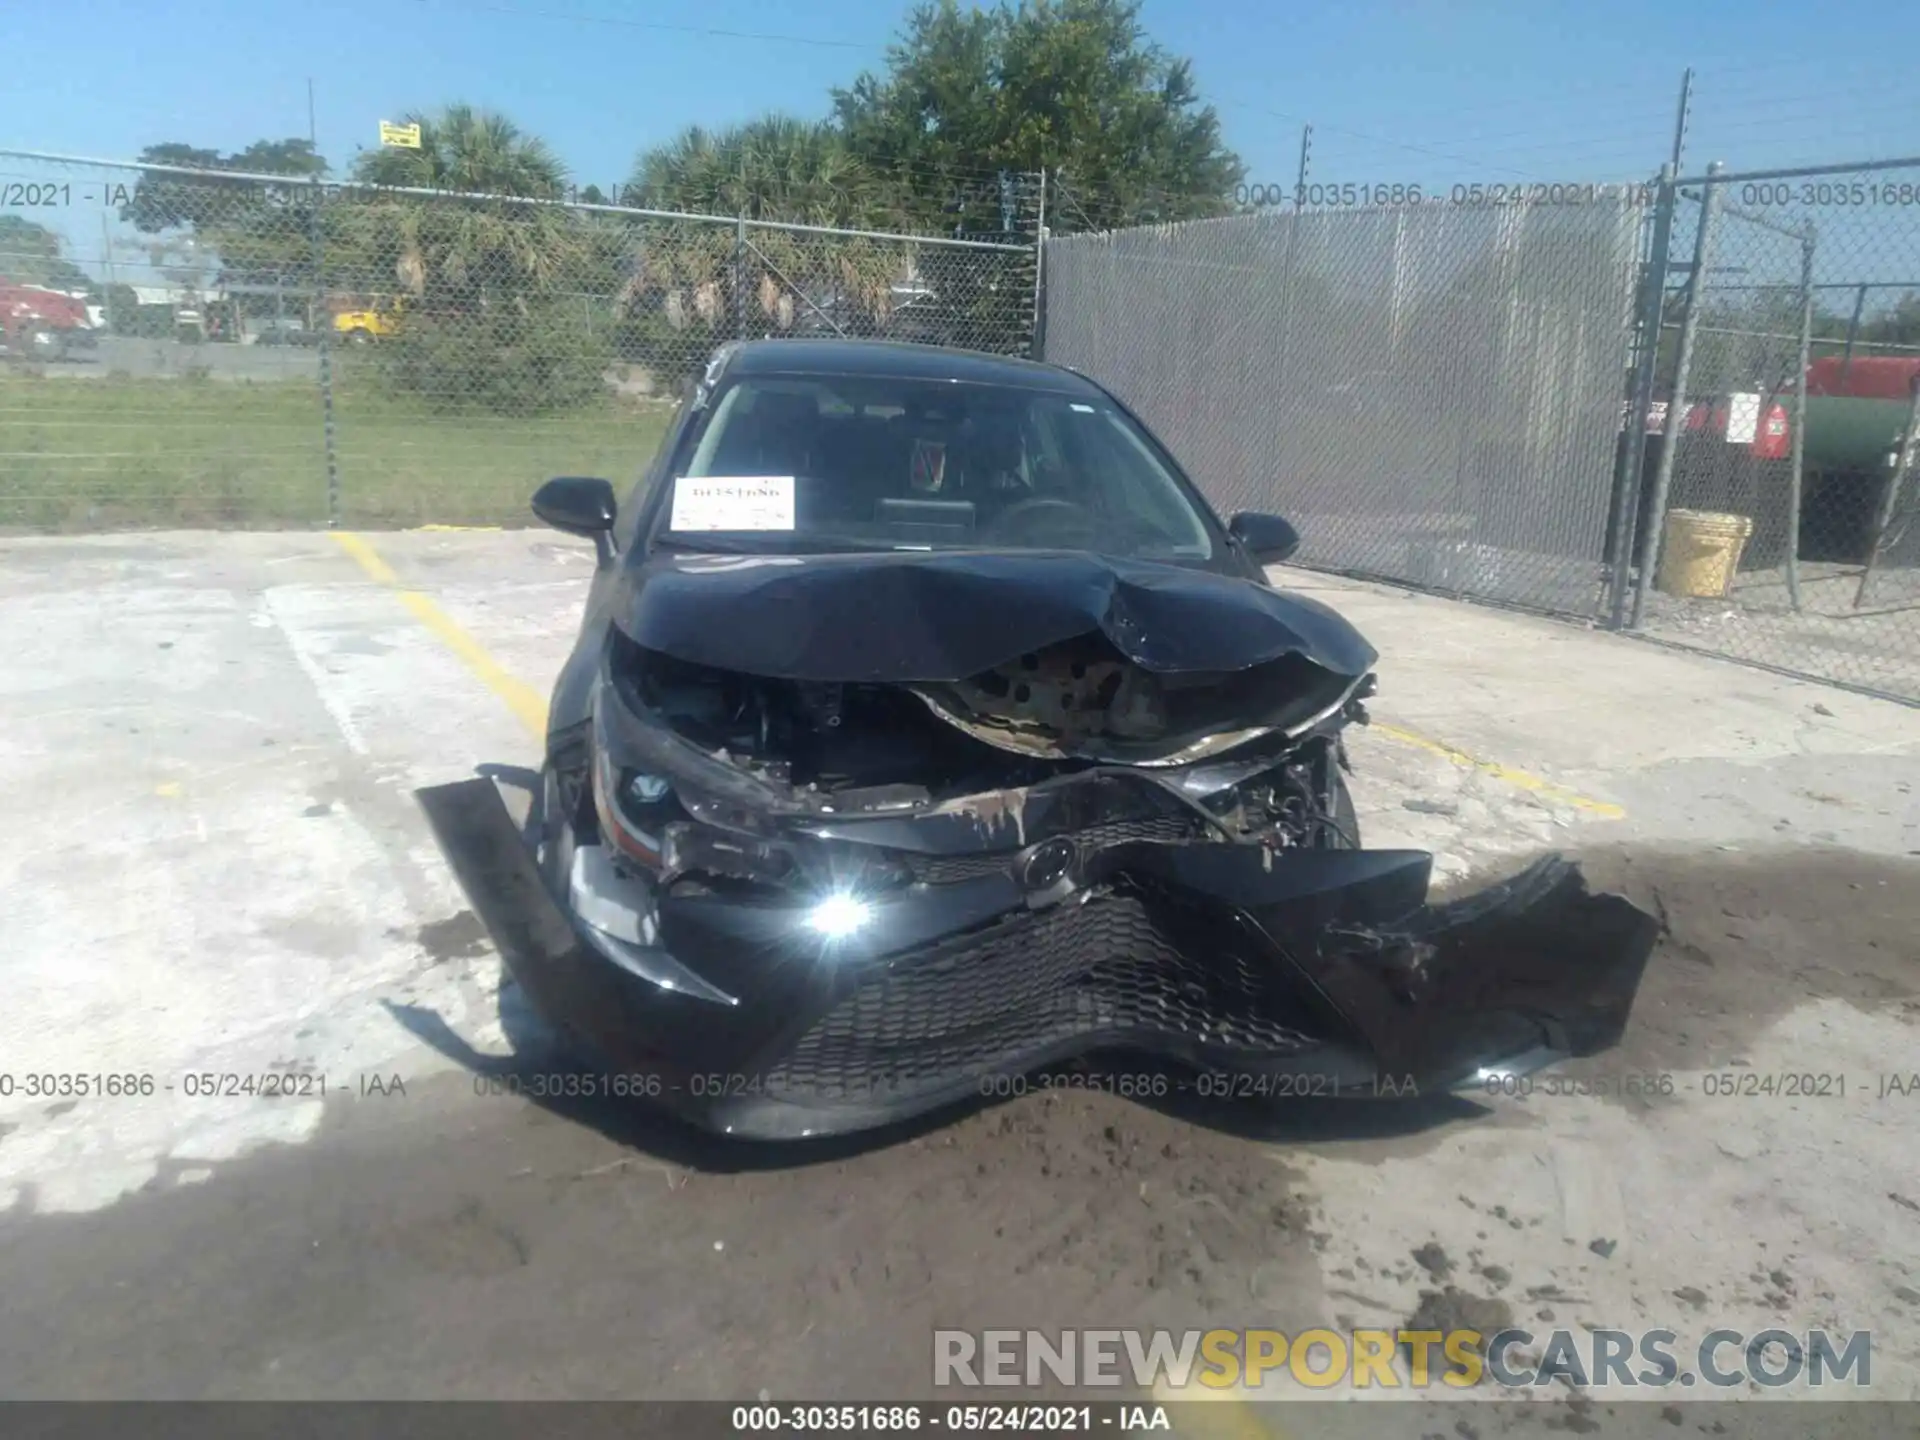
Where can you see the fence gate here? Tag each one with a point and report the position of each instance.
(1778, 510)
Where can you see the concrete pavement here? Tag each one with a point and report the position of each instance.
(215, 739)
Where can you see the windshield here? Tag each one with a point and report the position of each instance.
(787, 463)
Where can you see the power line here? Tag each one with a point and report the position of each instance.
(1393, 144)
(657, 25)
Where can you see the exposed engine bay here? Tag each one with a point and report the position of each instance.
(863, 895)
(1065, 709)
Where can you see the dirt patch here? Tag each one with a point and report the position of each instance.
(448, 1244)
(1751, 936)
(1450, 1309)
(1433, 1258)
(458, 937)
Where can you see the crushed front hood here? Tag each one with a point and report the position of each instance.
(901, 617)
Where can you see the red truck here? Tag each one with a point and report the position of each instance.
(41, 324)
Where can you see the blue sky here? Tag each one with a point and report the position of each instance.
(1398, 90)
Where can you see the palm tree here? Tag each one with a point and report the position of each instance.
(468, 250)
(774, 169)
(468, 149)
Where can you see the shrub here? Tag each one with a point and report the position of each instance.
(515, 357)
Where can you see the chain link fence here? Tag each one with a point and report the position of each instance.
(1429, 391)
(1779, 510)
(1433, 391)
(1684, 409)
(190, 348)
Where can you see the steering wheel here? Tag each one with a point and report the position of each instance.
(1015, 515)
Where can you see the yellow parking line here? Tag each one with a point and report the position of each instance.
(525, 702)
(1220, 1415)
(1520, 779)
(377, 569)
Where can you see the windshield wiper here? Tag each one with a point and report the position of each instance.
(779, 542)
(704, 546)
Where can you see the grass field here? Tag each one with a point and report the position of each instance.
(118, 452)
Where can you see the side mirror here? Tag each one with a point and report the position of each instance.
(1267, 538)
(577, 504)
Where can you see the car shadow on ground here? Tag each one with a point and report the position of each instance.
(540, 1066)
(542, 1070)
(1312, 1119)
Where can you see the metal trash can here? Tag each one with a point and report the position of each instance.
(1701, 552)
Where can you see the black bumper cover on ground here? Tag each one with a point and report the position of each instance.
(1321, 972)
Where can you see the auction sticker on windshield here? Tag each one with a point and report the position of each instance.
(733, 502)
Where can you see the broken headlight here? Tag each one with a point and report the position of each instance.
(633, 808)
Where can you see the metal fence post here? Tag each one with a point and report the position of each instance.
(325, 321)
(1795, 473)
(1676, 407)
(1903, 462)
(1284, 360)
(1037, 346)
(1627, 483)
(1286, 274)
(1853, 334)
(740, 276)
(106, 266)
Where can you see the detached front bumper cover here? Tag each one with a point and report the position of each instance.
(1328, 967)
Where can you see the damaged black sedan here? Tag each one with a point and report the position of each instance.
(927, 727)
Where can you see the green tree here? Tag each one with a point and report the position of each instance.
(1899, 325)
(447, 247)
(1073, 86)
(467, 148)
(503, 295)
(237, 231)
(773, 168)
(162, 200)
(30, 254)
(776, 168)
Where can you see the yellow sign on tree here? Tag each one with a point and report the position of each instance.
(405, 135)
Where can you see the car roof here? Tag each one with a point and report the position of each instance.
(897, 359)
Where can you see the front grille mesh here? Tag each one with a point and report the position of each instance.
(1102, 972)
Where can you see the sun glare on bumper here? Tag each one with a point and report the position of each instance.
(838, 916)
